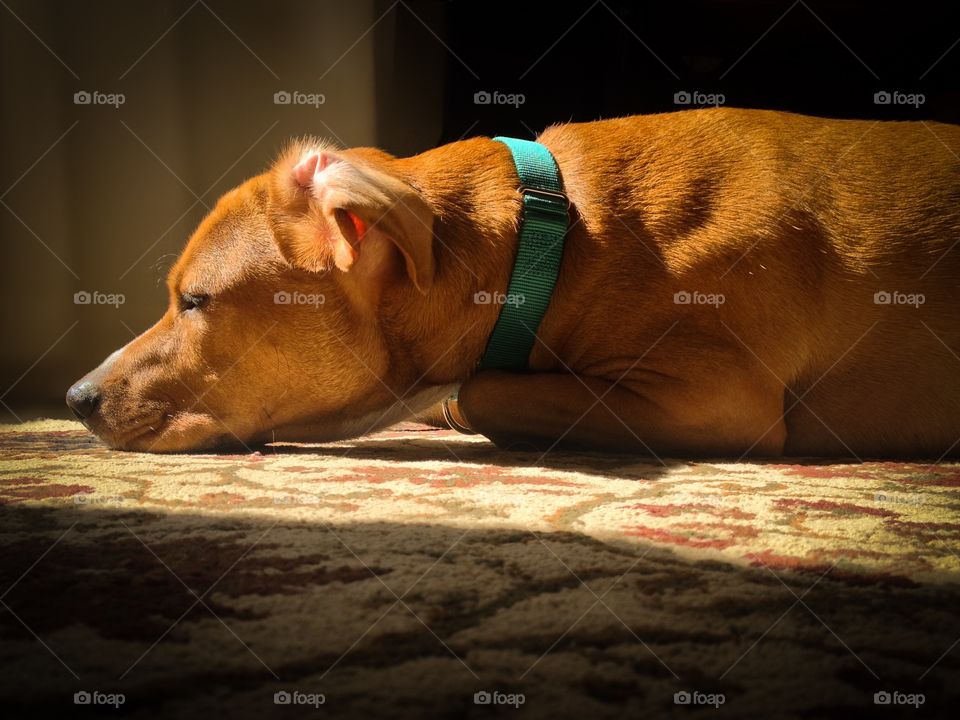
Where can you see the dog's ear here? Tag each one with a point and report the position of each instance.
(340, 206)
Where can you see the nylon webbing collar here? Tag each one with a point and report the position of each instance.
(543, 226)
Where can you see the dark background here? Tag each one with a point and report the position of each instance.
(624, 58)
(102, 198)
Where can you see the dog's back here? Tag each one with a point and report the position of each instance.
(821, 250)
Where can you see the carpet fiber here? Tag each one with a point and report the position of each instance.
(400, 574)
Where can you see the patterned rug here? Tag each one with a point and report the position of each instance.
(418, 572)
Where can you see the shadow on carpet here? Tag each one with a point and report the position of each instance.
(403, 574)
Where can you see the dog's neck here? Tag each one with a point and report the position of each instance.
(472, 186)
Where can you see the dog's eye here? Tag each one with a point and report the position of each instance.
(192, 301)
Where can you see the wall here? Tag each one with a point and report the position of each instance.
(102, 198)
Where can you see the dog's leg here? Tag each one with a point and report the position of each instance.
(738, 415)
(431, 416)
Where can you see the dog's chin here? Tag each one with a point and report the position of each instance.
(190, 431)
(178, 433)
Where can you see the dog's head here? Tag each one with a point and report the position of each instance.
(272, 329)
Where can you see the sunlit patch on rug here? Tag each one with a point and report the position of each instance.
(402, 573)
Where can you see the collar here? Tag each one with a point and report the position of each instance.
(543, 226)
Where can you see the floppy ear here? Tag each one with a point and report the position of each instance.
(347, 206)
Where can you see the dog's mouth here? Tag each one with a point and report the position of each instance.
(137, 435)
(140, 432)
(176, 432)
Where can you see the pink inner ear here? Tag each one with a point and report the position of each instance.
(304, 170)
(346, 249)
(359, 225)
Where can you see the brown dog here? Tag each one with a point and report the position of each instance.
(734, 282)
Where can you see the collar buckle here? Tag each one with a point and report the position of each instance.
(548, 195)
(550, 205)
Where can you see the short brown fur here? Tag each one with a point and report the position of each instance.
(797, 222)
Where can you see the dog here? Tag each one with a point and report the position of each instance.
(734, 283)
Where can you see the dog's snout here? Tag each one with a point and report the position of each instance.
(83, 399)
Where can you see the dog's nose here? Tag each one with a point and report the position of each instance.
(83, 399)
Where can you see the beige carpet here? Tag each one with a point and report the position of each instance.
(400, 574)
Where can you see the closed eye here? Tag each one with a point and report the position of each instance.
(192, 301)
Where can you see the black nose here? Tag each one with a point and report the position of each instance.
(83, 399)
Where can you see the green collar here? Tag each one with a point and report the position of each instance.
(543, 226)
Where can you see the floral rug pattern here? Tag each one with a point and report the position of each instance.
(419, 572)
